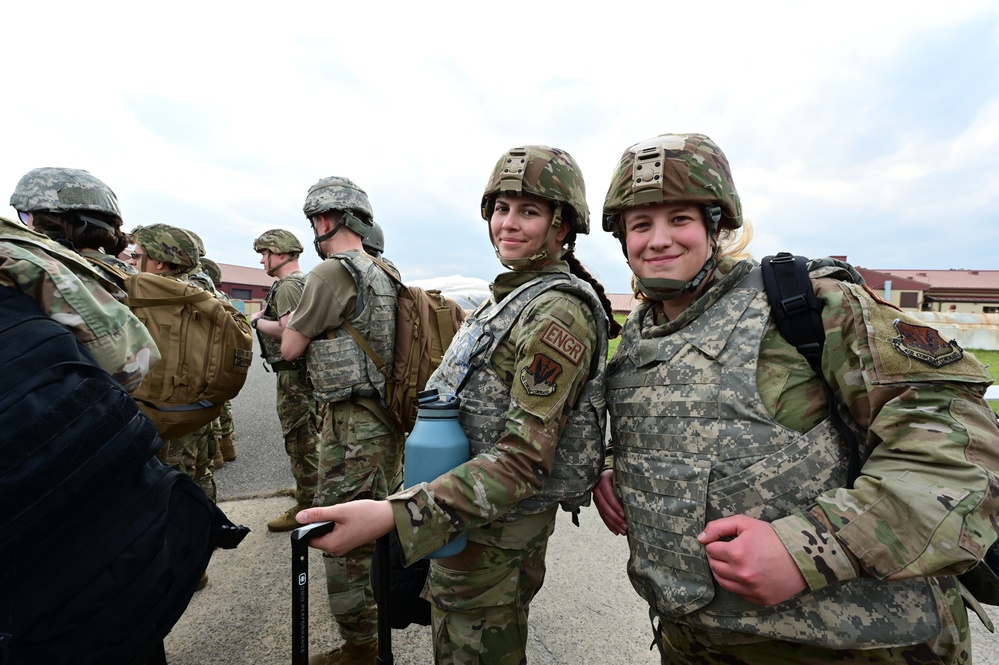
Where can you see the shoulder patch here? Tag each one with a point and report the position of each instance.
(563, 341)
(540, 378)
(925, 344)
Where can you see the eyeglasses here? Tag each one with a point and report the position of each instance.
(136, 255)
(25, 217)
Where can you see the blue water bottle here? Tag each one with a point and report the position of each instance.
(436, 445)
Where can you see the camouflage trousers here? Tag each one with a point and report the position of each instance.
(683, 645)
(223, 425)
(359, 456)
(193, 454)
(480, 598)
(301, 423)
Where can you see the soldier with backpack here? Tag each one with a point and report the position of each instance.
(528, 365)
(75, 211)
(298, 410)
(360, 450)
(750, 538)
(170, 252)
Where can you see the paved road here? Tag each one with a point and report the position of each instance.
(587, 612)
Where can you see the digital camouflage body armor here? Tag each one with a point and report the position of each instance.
(338, 367)
(693, 443)
(485, 398)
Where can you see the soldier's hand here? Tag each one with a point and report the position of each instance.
(608, 505)
(749, 559)
(357, 523)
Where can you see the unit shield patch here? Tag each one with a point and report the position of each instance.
(539, 378)
(925, 344)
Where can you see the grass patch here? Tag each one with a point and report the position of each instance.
(612, 344)
(991, 360)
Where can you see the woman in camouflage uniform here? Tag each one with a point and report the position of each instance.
(75, 210)
(747, 538)
(529, 364)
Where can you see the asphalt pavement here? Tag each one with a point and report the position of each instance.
(586, 613)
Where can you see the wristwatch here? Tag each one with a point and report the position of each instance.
(253, 323)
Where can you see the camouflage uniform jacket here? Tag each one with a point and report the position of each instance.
(740, 426)
(338, 367)
(110, 267)
(542, 376)
(285, 295)
(68, 289)
(485, 399)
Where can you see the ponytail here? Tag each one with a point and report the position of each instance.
(577, 269)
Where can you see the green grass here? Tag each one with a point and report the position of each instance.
(991, 359)
(612, 344)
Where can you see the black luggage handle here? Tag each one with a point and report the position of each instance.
(300, 538)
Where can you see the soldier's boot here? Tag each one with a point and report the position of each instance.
(286, 520)
(228, 448)
(218, 460)
(365, 653)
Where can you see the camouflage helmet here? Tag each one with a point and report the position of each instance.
(550, 173)
(63, 190)
(170, 244)
(339, 193)
(672, 168)
(278, 241)
(374, 244)
(211, 269)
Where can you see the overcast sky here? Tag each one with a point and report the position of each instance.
(869, 129)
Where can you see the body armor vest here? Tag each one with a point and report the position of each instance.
(338, 367)
(271, 347)
(693, 443)
(485, 397)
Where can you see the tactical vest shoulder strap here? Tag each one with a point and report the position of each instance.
(797, 312)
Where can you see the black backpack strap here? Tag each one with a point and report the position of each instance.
(798, 314)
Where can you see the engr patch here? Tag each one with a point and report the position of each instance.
(925, 344)
(564, 342)
(539, 378)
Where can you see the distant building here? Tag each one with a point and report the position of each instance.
(244, 283)
(958, 291)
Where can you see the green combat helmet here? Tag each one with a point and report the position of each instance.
(212, 270)
(278, 241)
(62, 190)
(374, 244)
(674, 168)
(162, 242)
(339, 193)
(550, 173)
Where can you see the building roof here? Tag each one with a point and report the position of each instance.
(876, 280)
(963, 280)
(622, 302)
(245, 275)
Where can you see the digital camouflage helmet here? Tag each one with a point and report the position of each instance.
(278, 241)
(341, 194)
(63, 190)
(547, 172)
(674, 168)
(169, 244)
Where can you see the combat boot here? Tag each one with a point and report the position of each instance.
(218, 460)
(365, 653)
(286, 520)
(228, 448)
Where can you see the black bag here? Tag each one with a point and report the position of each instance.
(101, 545)
(404, 587)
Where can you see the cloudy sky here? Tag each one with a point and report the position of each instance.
(869, 129)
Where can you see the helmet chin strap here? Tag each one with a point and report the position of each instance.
(271, 270)
(319, 240)
(539, 258)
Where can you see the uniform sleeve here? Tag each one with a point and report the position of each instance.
(327, 300)
(545, 361)
(113, 335)
(929, 487)
(287, 295)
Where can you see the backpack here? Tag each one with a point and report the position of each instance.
(206, 347)
(101, 544)
(425, 324)
(797, 311)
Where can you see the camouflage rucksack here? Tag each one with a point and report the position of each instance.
(206, 347)
(425, 324)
